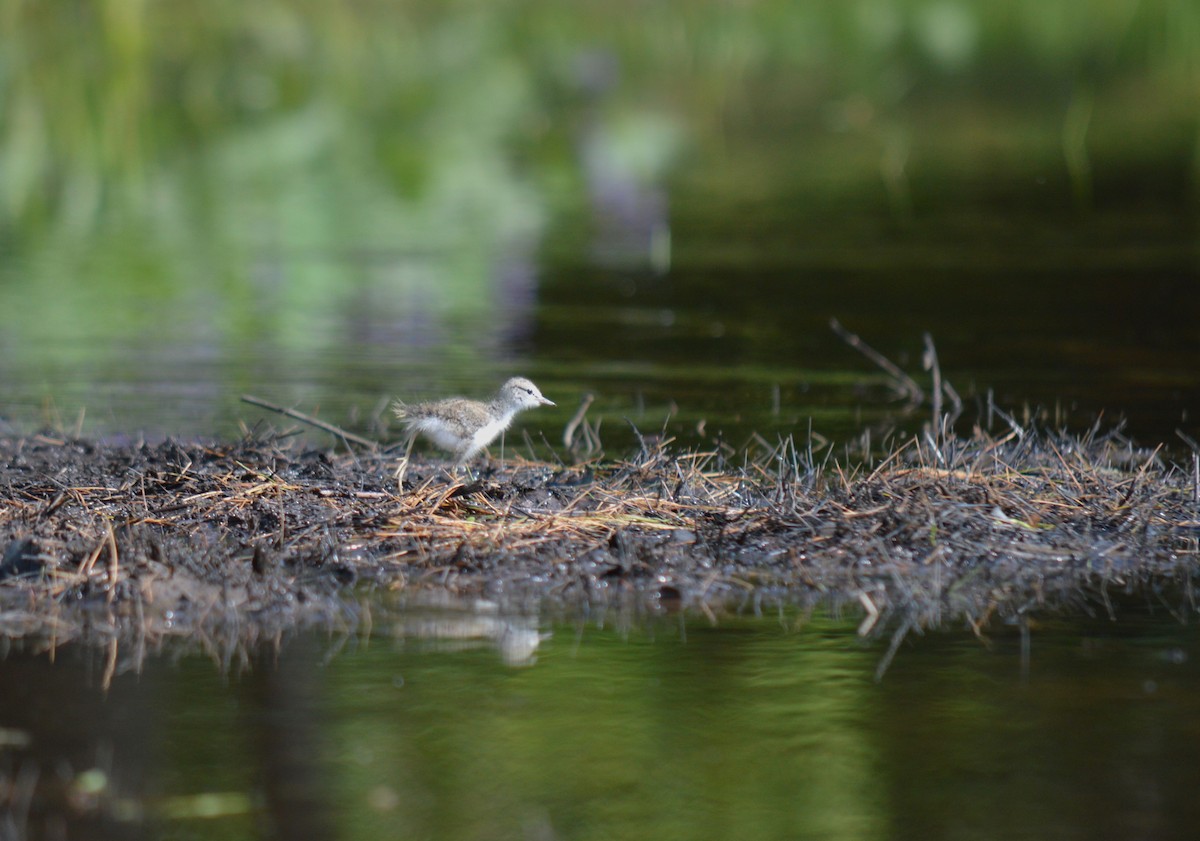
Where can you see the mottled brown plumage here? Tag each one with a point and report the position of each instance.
(464, 427)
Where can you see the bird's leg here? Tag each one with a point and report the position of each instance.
(468, 476)
(402, 468)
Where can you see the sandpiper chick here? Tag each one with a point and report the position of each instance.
(464, 427)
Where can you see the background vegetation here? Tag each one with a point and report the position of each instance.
(196, 199)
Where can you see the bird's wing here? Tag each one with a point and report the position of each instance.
(457, 414)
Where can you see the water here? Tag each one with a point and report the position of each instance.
(734, 340)
(767, 728)
(664, 215)
(331, 205)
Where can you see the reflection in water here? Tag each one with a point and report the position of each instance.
(624, 163)
(516, 638)
(83, 736)
(74, 759)
(664, 214)
(749, 728)
(281, 704)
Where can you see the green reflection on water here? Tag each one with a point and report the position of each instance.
(609, 737)
(328, 204)
(745, 729)
(761, 728)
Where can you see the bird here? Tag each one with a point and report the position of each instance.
(464, 427)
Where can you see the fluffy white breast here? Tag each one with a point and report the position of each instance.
(488, 432)
(440, 433)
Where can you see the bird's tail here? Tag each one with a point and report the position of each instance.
(400, 409)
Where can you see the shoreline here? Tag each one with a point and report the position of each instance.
(253, 538)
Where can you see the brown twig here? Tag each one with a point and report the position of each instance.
(905, 383)
(311, 421)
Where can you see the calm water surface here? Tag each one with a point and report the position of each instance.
(1096, 317)
(330, 205)
(767, 728)
(664, 215)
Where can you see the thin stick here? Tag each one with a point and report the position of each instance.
(955, 399)
(569, 432)
(110, 666)
(311, 421)
(907, 383)
(872, 616)
(897, 638)
(931, 364)
(1189, 440)
(114, 564)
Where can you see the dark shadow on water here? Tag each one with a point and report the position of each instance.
(281, 703)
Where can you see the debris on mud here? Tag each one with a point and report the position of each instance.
(163, 540)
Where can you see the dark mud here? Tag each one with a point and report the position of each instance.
(168, 540)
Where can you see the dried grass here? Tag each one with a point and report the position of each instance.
(264, 535)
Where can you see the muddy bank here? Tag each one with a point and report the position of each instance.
(165, 540)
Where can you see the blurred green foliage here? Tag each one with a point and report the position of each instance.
(170, 110)
(219, 194)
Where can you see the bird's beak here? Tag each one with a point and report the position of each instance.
(546, 402)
